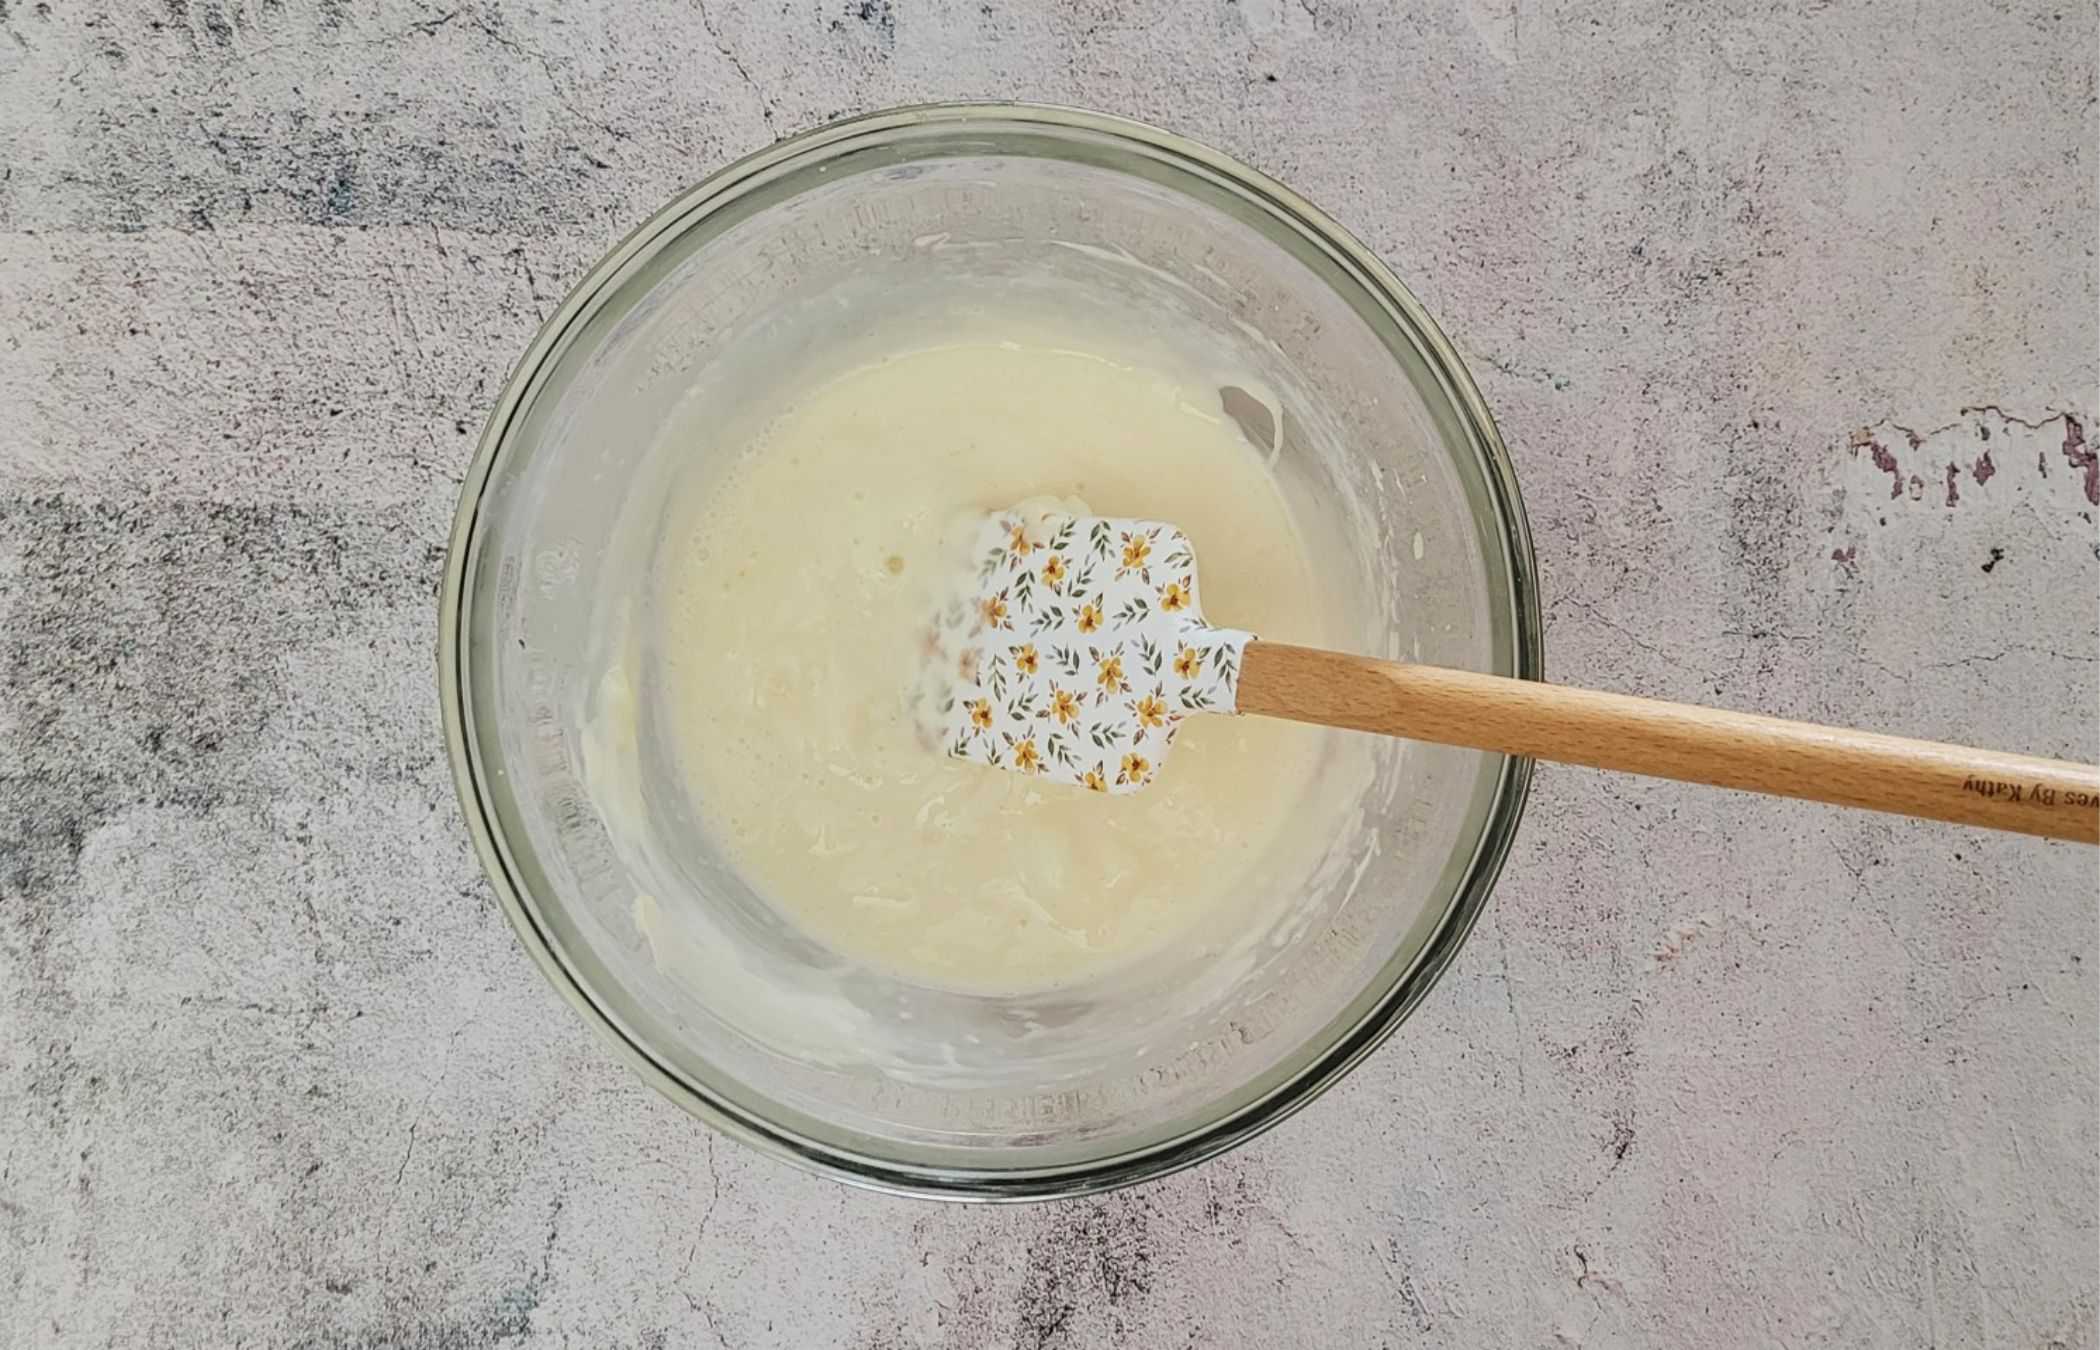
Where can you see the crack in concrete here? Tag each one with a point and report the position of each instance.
(706, 1309)
(416, 1123)
(707, 23)
(1403, 1284)
(714, 1202)
(421, 27)
(1509, 997)
(546, 67)
(532, 283)
(1659, 653)
(1986, 658)
(309, 1012)
(1969, 1005)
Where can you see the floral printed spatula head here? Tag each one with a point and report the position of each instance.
(1073, 647)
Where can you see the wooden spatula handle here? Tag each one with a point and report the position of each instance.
(2050, 797)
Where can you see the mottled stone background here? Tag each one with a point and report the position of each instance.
(1788, 310)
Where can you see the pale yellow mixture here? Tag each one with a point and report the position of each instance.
(797, 592)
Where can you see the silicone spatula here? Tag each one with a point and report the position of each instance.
(1073, 647)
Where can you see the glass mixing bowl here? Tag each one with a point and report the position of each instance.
(1381, 430)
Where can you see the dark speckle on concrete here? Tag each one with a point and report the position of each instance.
(1997, 556)
(508, 1318)
(1094, 1256)
(881, 15)
(1765, 521)
(126, 663)
(216, 25)
(1621, 1141)
(342, 193)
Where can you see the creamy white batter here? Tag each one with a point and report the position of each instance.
(795, 596)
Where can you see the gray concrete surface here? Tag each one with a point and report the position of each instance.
(1788, 311)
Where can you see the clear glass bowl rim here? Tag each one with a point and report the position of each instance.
(1321, 1068)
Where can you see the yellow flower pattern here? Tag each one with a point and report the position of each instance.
(1078, 653)
(1137, 548)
